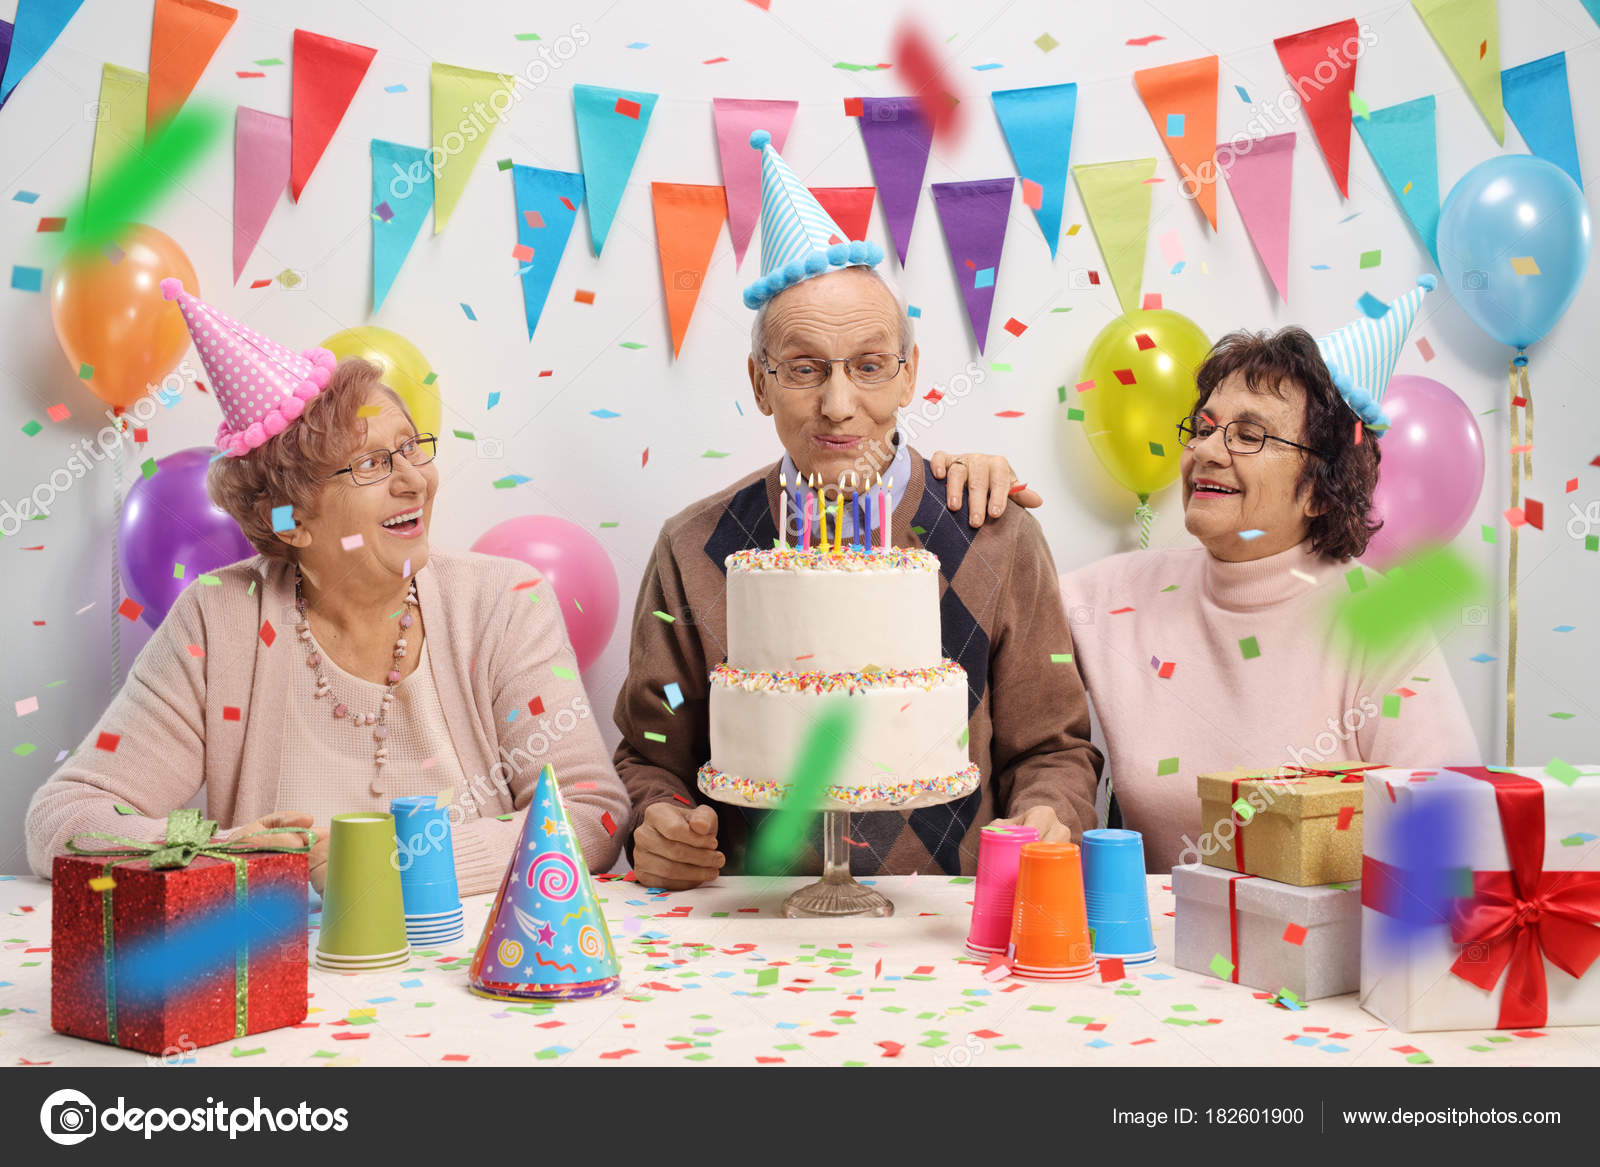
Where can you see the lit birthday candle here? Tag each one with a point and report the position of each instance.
(783, 510)
(883, 510)
(838, 516)
(822, 513)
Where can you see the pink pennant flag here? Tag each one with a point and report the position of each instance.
(261, 157)
(1259, 176)
(736, 118)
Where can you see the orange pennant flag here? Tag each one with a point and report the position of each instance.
(1182, 100)
(183, 38)
(688, 221)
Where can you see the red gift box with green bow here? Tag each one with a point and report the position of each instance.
(164, 947)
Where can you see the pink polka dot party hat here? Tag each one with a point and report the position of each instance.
(261, 385)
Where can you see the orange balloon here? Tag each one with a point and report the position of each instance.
(111, 317)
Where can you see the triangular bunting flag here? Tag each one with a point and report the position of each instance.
(1182, 100)
(1260, 177)
(974, 215)
(848, 206)
(545, 935)
(261, 153)
(183, 38)
(6, 29)
(402, 196)
(547, 206)
(735, 119)
(1539, 102)
(327, 73)
(120, 123)
(688, 220)
(611, 127)
(1037, 124)
(1593, 9)
(38, 23)
(1400, 139)
(1116, 197)
(1468, 34)
(897, 138)
(1327, 103)
(454, 92)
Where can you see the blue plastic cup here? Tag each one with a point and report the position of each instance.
(426, 856)
(1117, 895)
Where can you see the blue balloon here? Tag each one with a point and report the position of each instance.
(1512, 207)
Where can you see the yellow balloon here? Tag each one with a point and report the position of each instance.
(1133, 427)
(405, 369)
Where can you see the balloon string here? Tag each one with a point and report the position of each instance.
(1521, 467)
(1146, 515)
(116, 572)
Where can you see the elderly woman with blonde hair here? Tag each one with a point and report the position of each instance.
(348, 663)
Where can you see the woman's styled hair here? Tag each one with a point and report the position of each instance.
(1342, 479)
(293, 468)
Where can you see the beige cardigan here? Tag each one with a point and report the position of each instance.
(493, 651)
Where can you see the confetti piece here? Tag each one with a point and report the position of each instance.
(1562, 772)
(26, 279)
(102, 883)
(1166, 766)
(230, 713)
(1403, 604)
(1533, 513)
(1175, 125)
(350, 542)
(1358, 107)
(583, 297)
(1372, 307)
(984, 278)
(1124, 376)
(1249, 649)
(27, 705)
(609, 823)
(1061, 658)
(1524, 265)
(129, 610)
(1111, 969)
(1391, 705)
(1372, 258)
(467, 308)
(674, 694)
(655, 737)
(1015, 327)
(1221, 967)
(765, 977)
(268, 634)
(108, 742)
(1347, 815)
(283, 518)
(1253, 533)
(1244, 811)
(1424, 348)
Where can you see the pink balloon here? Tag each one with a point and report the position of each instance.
(577, 567)
(1431, 473)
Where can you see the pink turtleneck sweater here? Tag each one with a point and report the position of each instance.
(1253, 681)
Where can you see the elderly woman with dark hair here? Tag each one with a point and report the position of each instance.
(348, 663)
(1206, 658)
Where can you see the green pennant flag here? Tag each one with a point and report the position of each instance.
(458, 94)
(1116, 196)
(1468, 33)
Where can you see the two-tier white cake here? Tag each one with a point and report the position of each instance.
(807, 626)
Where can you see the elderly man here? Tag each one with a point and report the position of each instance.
(832, 362)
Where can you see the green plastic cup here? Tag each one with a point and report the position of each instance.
(363, 914)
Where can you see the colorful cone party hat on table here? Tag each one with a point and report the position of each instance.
(260, 385)
(545, 935)
(1361, 355)
(798, 238)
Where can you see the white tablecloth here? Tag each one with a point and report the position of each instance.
(893, 992)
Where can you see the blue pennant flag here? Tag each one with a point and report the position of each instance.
(611, 128)
(547, 206)
(1539, 102)
(38, 24)
(1037, 124)
(402, 196)
(1400, 139)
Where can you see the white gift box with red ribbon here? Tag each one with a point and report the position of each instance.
(1496, 929)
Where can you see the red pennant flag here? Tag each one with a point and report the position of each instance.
(183, 38)
(1308, 58)
(688, 221)
(327, 73)
(848, 206)
(1182, 100)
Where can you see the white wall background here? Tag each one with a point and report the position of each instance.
(589, 470)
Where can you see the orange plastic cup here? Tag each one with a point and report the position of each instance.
(1050, 927)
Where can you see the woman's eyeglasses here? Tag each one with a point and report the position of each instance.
(866, 370)
(376, 465)
(1241, 437)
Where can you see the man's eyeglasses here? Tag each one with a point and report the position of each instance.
(376, 465)
(1241, 437)
(865, 370)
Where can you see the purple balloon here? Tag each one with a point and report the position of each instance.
(1431, 473)
(169, 519)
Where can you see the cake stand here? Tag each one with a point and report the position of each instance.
(837, 893)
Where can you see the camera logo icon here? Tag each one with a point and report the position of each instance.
(1474, 280)
(490, 448)
(68, 1117)
(1078, 279)
(685, 280)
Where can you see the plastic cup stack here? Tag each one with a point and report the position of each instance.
(427, 863)
(1117, 896)
(1050, 926)
(994, 899)
(363, 921)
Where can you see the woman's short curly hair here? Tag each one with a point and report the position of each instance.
(1342, 479)
(293, 468)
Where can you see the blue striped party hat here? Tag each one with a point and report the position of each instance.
(798, 238)
(1361, 355)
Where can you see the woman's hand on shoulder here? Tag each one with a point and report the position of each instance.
(988, 480)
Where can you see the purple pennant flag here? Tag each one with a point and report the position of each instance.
(897, 138)
(974, 216)
(5, 53)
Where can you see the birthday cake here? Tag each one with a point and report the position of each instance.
(805, 627)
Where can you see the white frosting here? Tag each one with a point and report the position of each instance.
(818, 620)
(901, 734)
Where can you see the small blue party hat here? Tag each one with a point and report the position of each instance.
(1361, 355)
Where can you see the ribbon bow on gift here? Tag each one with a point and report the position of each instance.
(188, 837)
(1518, 919)
(1352, 774)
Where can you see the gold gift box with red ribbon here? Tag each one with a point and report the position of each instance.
(1296, 824)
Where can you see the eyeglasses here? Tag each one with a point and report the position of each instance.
(865, 370)
(376, 465)
(1240, 437)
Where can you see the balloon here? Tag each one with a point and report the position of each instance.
(405, 369)
(1128, 423)
(168, 519)
(1431, 472)
(111, 317)
(577, 567)
(1504, 212)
